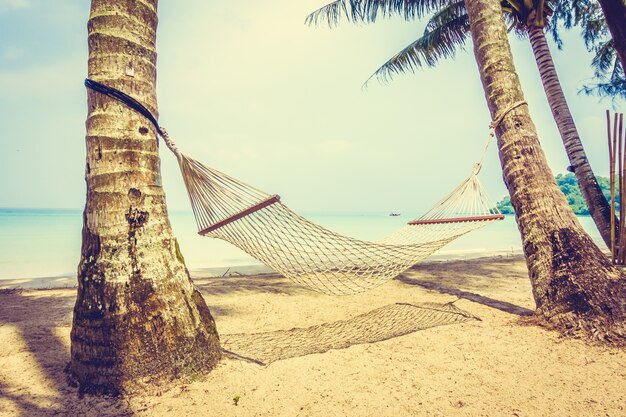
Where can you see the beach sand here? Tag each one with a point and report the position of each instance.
(496, 366)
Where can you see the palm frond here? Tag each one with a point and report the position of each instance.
(594, 30)
(514, 25)
(446, 15)
(610, 78)
(333, 12)
(567, 14)
(587, 14)
(368, 11)
(570, 13)
(515, 5)
(618, 71)
(616, 89)
(407, 9)
(604, 59)
(435, 44)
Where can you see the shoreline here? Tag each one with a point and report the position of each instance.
(69, 280)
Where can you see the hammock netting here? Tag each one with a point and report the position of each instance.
(311, 255)
(374, 326)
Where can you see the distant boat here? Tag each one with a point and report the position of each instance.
(395, 214)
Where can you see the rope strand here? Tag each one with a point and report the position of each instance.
(492, 127)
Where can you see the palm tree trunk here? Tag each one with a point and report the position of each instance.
(576, 288)
(138, 318)
(597, 203)
(615, 15)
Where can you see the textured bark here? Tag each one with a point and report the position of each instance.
(597, 203)
(138, 318)
(615, 15)
(575, 287)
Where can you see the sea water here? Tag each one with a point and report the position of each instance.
(46, 243)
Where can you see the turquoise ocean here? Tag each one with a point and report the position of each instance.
(46, 243)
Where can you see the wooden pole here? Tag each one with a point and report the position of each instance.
(612, 182)
(620, 187)
(617, 155)
(622, 227)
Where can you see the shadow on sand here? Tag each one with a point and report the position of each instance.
(477, 298)
(40, 322)
(271, 283)
(449, 277)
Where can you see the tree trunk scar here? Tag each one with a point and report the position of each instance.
(136, 220)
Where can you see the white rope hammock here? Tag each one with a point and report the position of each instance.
(325, 261)
(260, 225)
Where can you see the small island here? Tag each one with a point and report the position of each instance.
(569, 186)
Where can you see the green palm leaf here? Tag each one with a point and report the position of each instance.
(604, 59)
(441, 41)
(446, 15)
(333, 12)
(368, 10)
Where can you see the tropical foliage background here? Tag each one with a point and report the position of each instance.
(568, 184)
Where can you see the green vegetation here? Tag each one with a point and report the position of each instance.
(568, 184)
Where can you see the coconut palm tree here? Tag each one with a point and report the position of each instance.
(576, 288)
(447, 30)
(138, 318)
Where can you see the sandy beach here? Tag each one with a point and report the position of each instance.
(410, 352)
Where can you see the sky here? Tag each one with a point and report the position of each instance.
(247, 88)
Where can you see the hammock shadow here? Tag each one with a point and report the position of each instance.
(477, 298)
(377, 325)
(39, 323)
(270, 283)
(484, 277)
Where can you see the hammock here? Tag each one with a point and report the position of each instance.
(261, 225)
